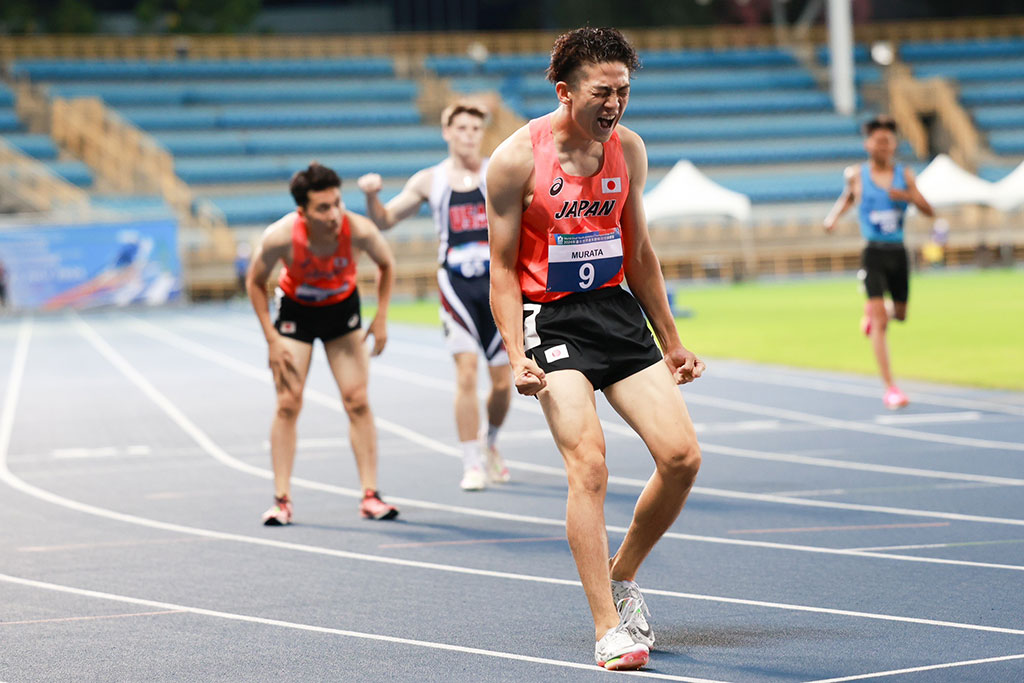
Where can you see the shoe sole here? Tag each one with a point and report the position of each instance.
(627, 662)
(275, 522)
(390, 514)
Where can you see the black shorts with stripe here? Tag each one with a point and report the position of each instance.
(885, 269)
(307, 323)
(603, 334)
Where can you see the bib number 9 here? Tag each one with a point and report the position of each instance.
(586, 275)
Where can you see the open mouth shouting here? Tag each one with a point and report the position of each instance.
(606, 123)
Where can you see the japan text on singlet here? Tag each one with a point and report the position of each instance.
(571, 237)
(319, 280)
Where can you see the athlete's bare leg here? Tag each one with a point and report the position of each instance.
(467, 410)
(500, 398)
(652, 405)
(568, 403)
(350, 364)
(879, 321)
(288, 385)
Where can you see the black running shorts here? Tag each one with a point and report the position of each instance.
(307, 323)
(603, 334)
(884, 268)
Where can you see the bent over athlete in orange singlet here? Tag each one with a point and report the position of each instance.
(319, 244)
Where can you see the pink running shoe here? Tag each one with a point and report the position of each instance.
(280, 514)
(372, 507)
(895, 399)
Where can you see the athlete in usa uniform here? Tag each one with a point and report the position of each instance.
(318, 245)
(882, 190)
(564, 202)
(455, 189)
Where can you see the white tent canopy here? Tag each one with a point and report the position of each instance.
(686, 192)
(1008, 193)
(943, 183)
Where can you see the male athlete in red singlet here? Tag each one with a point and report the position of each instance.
(566, 227)
(319, 244)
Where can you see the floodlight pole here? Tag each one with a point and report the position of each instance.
(840, 46)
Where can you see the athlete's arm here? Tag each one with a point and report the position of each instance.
(508, 176)
(844, 202)
(405, 204)
(273, 246)
(642, 269)
(365, 236)
(912, 194)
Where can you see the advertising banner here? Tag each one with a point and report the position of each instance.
(48, 267)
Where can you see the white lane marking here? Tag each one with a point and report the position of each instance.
(61, 620)
(326, 442)
(850, 425)
(761, 375)
(7, 477)
(100, 452)
(863, 467)
(172, 607)
(932, 667)
(948, 544)
(223, 457)
(778, 413)
(6, 425)
(928, 418)
(6, 422)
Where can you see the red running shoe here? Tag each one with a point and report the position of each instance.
(372, 507)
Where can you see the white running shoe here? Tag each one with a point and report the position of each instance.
(633, 611)
(497, 471)
(474, 479)
(616, 651)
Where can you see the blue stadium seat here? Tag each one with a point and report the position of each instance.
(995, 172)
(741, 127)
(912, 51)
(75, 172)
(312, 141)
(991, 118)
(35, 145)
(9, 121)
(760, 152)
(1007, 142)
(1001, 92)
(987, 70)
(76, 70)
(6, 96)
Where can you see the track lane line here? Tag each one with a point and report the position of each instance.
(7, 477)
(932, 667)
(244, 368)
(263, 621)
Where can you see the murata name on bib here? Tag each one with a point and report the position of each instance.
(581, 262)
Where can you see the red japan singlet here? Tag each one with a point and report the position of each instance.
(570, 238)
(319, 280)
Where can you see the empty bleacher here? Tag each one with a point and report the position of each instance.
(990, 77)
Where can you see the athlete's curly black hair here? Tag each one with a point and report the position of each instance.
(589, 45)
(313, 179)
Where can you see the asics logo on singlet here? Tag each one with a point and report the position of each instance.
(556, 187)
(584, 208)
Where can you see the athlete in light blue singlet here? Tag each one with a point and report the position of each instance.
(882, 190)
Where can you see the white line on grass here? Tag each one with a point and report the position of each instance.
(933, 667)
(172, 607)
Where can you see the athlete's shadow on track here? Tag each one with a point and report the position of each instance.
(673, 642)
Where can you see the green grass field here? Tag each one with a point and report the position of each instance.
(963, 327)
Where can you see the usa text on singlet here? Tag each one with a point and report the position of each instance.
(571, 236)
(319, 280)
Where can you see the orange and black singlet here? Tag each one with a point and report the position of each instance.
(571, 237)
